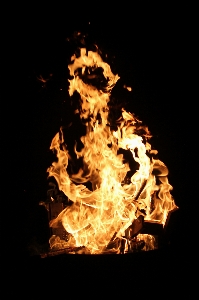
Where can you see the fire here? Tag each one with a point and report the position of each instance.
(103, 214)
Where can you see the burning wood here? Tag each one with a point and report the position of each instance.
(108, 217)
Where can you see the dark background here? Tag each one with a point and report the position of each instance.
(150, 53)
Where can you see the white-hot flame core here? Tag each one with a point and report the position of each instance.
(113, 204)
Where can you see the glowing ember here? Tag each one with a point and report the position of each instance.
(103, 214)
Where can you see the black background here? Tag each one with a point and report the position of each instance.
(148, 49)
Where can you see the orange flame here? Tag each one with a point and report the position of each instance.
(114, 202)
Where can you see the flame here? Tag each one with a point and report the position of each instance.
(102, 214)
(149, 241)
(128, 88)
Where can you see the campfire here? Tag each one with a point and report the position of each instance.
(118, 199)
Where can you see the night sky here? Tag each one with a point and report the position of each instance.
(146, 51)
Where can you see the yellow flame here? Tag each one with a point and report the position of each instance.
(128, 88)
(149, 240)
(113, 203)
